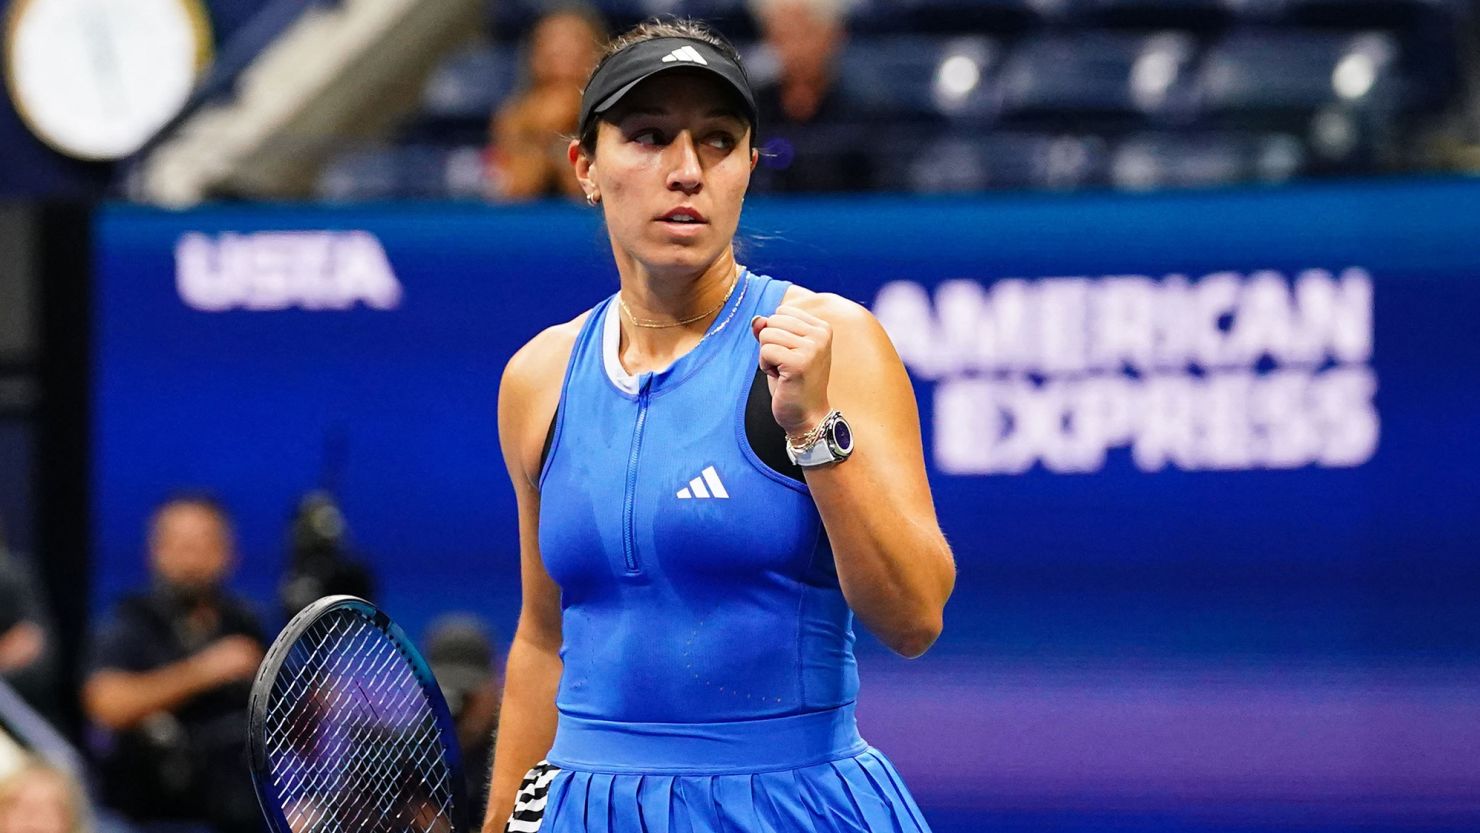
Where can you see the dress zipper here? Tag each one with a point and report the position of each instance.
(629, 545)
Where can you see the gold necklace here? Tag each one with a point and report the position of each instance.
(659, 325)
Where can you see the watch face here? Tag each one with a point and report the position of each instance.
(842, 435)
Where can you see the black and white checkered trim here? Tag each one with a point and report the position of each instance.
(529, 804)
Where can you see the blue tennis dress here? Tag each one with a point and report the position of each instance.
(709, 678)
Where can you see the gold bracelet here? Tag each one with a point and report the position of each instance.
(811, 436)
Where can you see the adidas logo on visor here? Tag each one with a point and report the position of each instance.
(685, 53)
(706, 485)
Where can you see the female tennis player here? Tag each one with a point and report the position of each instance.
(730, 470)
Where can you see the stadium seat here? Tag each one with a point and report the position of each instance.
(1191, 160)
(952, 17)
(360, 174)
(912, 77)
(732, 17)
(471, 82)
(1348, 14)
(621, 13)
(1280, 71)
(1098, 73)
(381, 173)
(964, 162)
(512, 19)
(1194, 15)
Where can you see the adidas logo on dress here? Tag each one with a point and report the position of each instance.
(685, 53)
(706, 485)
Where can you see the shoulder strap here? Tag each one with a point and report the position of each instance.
(590, 333)
(770, 296)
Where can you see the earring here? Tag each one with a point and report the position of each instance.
(592, 199)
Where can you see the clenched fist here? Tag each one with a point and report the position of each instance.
(796, 356)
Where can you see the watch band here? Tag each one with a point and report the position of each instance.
(816, 454)
(819, 446)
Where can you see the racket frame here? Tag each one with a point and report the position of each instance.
(272, 663)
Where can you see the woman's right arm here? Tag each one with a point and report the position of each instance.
(526, 404)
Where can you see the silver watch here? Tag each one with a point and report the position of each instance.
(830, 442)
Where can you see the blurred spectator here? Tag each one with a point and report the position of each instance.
(26, 654)
(170, 676)
(460, 651)
(808, 121)
(527, 158)
(39, 798)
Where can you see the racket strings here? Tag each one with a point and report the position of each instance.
(352, 741)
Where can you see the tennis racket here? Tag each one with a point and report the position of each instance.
(349, 732)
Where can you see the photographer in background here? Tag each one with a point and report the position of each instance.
(169, 679)
(320, 562)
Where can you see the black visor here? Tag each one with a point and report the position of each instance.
(640, 61)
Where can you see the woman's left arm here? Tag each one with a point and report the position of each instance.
(822, 352)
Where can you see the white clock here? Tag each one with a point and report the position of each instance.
(95, 79)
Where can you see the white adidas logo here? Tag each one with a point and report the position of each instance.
(685, 53)
(705, 485)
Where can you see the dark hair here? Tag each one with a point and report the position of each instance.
(652, 29)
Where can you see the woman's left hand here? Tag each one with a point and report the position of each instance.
(796, 356)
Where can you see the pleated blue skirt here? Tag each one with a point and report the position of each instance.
(861, 794)
(801, 774)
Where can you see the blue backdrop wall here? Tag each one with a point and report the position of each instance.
(1206, 461)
